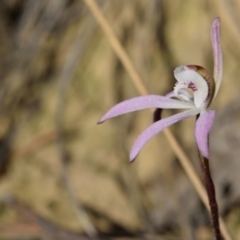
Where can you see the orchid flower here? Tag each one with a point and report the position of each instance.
(204, 91)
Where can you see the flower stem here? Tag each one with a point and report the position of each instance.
(211, 195)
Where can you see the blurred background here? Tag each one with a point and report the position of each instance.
(62, 176)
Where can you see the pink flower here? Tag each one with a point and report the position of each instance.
(204, 91)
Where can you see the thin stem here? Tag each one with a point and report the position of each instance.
(204, 162)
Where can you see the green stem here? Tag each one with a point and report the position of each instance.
(211, 195)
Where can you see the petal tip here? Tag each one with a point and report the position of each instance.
(132, 157)
(100, 121)
(204, 153)
(131, 160)
(216, 21)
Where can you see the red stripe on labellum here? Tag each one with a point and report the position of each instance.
(192, 86)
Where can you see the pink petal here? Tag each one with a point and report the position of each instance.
(182, 94)
(156, 128)
(217, 54)
(203, 127)
(148, 101)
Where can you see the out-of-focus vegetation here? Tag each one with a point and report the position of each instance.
(59, 75)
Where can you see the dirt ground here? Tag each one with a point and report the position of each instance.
(62, 176)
